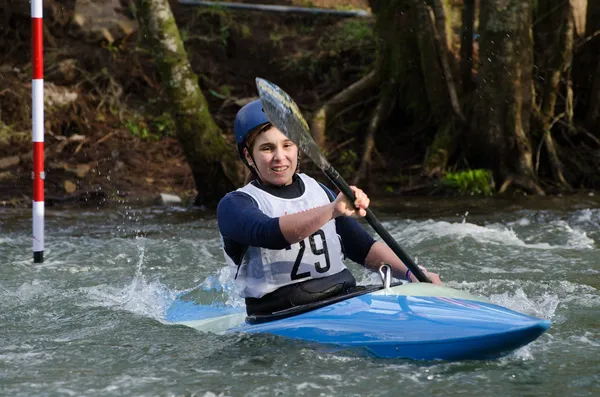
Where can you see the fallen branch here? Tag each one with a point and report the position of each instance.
(331, 107)
(105, 137)
(340, 145)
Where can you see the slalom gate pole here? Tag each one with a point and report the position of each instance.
(37, 127)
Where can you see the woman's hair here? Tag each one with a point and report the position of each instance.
(252, 135)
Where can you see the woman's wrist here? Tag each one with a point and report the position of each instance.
(334, 211)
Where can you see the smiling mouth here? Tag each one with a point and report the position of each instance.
(280, 169)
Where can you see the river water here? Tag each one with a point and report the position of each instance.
(89, 320)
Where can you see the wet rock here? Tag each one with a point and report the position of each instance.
(170, 199)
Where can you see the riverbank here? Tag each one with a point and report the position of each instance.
(110, 139)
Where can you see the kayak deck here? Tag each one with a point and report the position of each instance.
(416, 321)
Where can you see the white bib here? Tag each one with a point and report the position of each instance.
(319, 255)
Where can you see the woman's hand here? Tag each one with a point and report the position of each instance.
(343, 207)
(434, 277)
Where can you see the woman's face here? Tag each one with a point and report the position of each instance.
(275, 157)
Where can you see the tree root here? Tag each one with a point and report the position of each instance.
(333, 106)
(555, 163)
(525, 182)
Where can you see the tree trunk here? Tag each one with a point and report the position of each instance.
(439, 23)
(502, 113)
(381, 111)
(593, 113)
(431, 67)
(408, 59)
(592, 26)
(211, 159)
(417, 68)
(555, 33)
(466, 46)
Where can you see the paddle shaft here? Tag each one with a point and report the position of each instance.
(341, 184)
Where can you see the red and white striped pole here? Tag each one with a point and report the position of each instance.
(37, 127)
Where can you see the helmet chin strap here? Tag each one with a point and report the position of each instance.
(252, 168)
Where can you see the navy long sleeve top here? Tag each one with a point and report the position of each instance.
(242, 224)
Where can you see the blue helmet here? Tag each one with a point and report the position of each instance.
(247, 119)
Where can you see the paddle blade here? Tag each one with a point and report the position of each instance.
(283, 112)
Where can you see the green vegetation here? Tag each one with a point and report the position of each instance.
(473, 182)
(219, 22)
(354, 33)
(9, 136)
(352, 38)
(245, 30)
(151, 130)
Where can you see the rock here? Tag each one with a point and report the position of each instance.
(99, 20)
(170, 199)
(70, 187)
(8, 162)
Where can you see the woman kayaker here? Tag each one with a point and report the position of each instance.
(284, 234)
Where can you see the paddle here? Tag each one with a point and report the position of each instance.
(283, 112)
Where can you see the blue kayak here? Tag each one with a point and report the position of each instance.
(416, 321)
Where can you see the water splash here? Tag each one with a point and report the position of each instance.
(223, 288)
(543, 306)
(141, 296)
